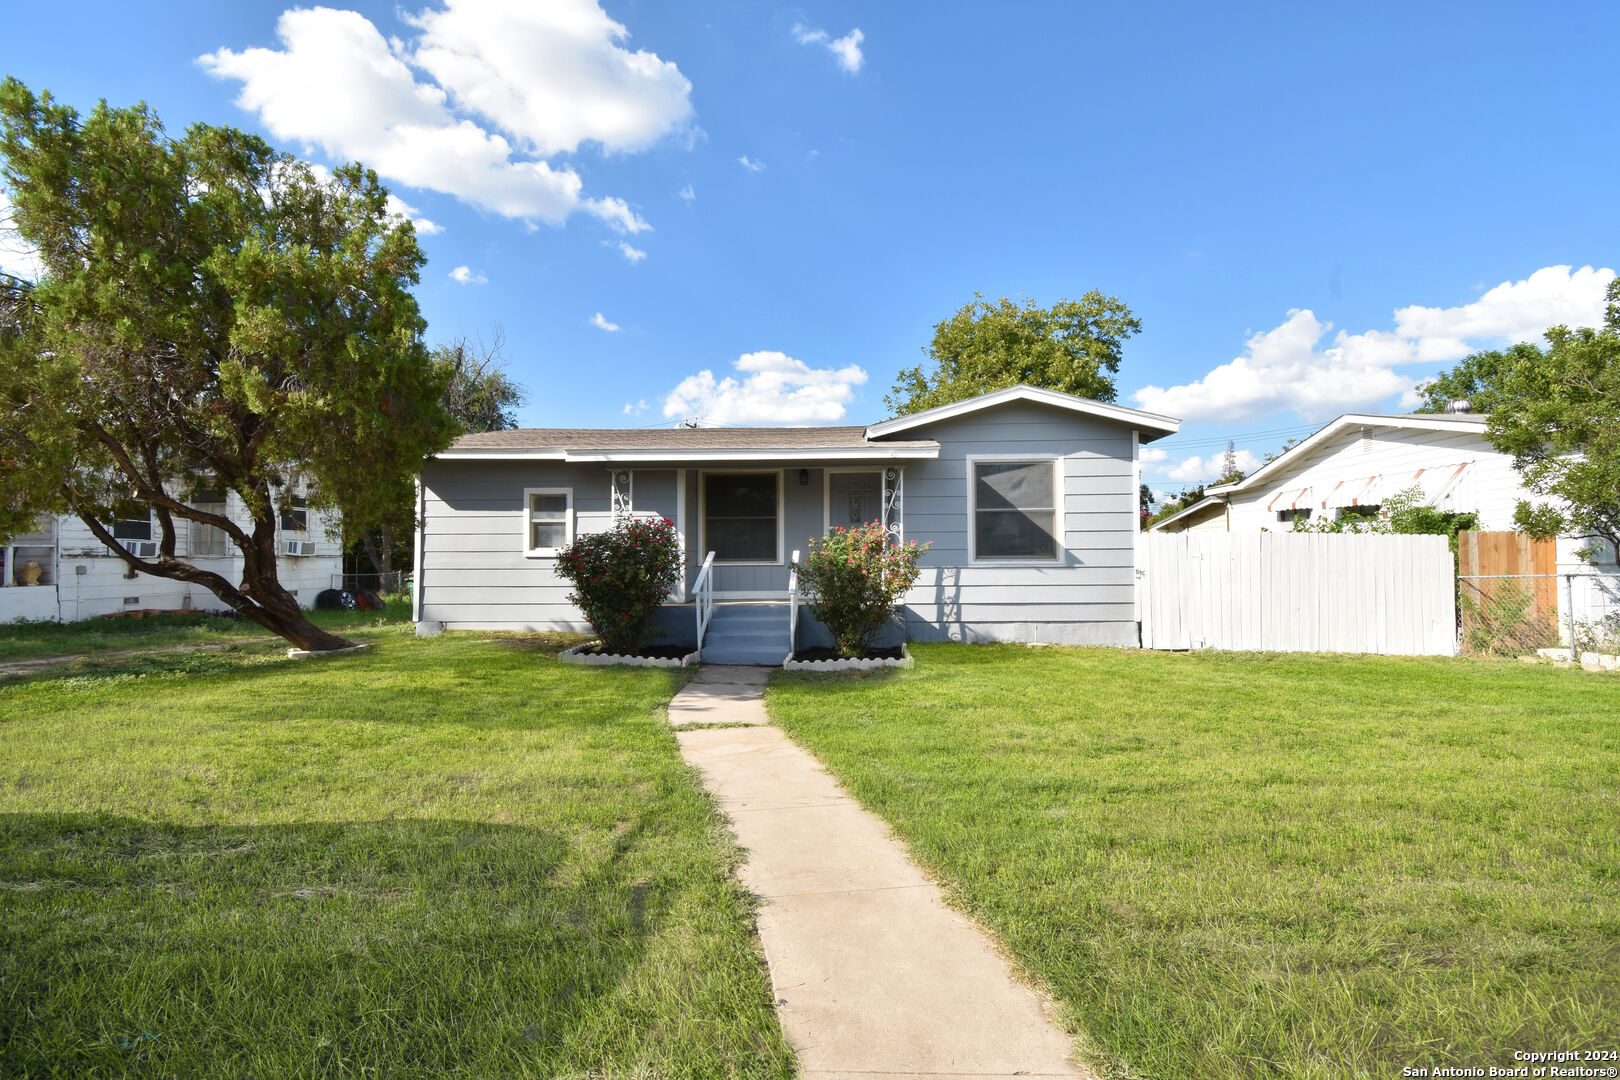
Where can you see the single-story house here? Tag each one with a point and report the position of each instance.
(1027, 496)
(61, 572)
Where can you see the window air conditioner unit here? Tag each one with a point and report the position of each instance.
(298, 548)
(142, 549)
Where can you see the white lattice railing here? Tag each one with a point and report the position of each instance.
(703, 598)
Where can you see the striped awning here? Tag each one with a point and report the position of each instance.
(1292, 499)
(1362, 491)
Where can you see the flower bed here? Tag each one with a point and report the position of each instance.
(829, 660)
(659, 656)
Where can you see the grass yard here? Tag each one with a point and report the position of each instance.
(1248, 865)
(31, 640)
(451, 857)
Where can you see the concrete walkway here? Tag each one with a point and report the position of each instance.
(873, 975)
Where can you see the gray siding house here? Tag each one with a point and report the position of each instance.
(1028, 496)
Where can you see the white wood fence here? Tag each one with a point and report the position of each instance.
(1294, 592)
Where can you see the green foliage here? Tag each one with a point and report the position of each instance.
(853, 579)
(622, 576)
(1187, 498)
(1073, 346)
(1476, 379)
(1559, 416)
(479, 395)
(212, 314)
(1404, 513)
(1502, 618)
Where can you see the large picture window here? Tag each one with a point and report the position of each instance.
(740, 517)
(550, 519)
(1015, 510)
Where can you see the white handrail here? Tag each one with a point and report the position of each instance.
(793, 605)
(703, 598)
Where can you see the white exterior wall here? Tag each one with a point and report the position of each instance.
(87, 580)
(1489, 488)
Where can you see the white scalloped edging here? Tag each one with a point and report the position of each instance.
(576, 655)
(905, 661)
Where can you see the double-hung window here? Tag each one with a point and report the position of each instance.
(208, 539)
(132, 521)
(1014, 509)
(548, 520)
(295, 514)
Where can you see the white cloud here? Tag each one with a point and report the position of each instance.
(400, 208)
(468, 276)
(750, 164)
(847, 49)
(636, 408)
(634, 254)
(18, 257)
(686, 193)
(1286, 367)
(552, 75)
(599, 320)
(774, 389)
(555, 78)
(1152, 455)
(1197, 470)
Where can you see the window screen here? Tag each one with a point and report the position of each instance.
(739, 522)
(548, 520)
(133, 521)
(1014, 510)
(208, 539)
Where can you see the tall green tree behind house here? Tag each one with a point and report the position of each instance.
(1557, 411)
(211, 315)
(1073, 346)
(479, 395)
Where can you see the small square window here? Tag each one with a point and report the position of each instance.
(550, 524)
(1298, 513)
(132, 521)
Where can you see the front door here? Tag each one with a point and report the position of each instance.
(853, 498)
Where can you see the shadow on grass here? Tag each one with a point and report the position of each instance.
(364, 947)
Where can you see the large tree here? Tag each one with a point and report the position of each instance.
(1557, 411)
(1073, 346)
(212, 315)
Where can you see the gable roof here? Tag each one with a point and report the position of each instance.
(1205, 503)
(1151, 425)
(1472, 423)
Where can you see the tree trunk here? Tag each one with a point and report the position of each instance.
(260, 597)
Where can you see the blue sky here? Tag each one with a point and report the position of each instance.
(1253, 180)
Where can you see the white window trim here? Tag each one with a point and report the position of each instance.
(528, 521)
(826, 492)
(781, 512)
(1057, 511)
(289, 508)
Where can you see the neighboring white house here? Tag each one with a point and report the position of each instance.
(1359, 460)
(78, 577)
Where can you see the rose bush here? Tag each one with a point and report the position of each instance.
(622, 576)
(853, 579)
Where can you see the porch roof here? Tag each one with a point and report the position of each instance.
(788, 444)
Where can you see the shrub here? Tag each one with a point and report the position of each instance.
(621, 577)
(853, 579)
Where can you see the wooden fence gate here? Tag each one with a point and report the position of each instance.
(1507, 590)
(1298, 592)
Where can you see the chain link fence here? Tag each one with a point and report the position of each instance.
(1516, 614)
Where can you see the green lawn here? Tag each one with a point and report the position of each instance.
(446, 857)
(27, 641)
(1241, 865)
